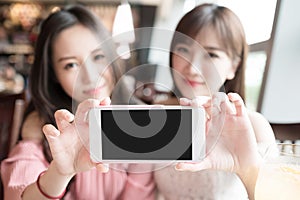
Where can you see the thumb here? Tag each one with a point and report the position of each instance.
(104, 168)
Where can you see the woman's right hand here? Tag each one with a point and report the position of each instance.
(233, 147)
(69, 141)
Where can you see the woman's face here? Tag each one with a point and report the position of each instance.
(80, 65)
(200, 73)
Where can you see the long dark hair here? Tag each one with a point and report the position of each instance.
(229, 30)
(47, 95)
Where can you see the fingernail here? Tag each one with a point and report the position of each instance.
(86, 117)
(184, 100)
(178, 167)
(105, 167)
(107, 100)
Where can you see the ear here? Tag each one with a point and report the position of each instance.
(235, 64)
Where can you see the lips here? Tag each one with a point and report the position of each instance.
(94, 91)
(195, 83)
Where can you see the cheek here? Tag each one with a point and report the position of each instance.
(109, 77)
(67, 82)
(222, 68)
(179, 63)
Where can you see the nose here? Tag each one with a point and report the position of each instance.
(88, 74)
(193, 67)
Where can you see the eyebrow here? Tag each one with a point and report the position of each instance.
(74, 57)
(214, 48)
(95, 50)
(66, 58)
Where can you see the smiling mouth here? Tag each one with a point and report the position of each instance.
(94, 91)
(195, 83)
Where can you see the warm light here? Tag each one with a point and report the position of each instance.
(123, 30)
(25, 14)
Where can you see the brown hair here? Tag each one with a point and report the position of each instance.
(47, 95)
(229, 30)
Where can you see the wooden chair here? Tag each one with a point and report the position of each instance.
(11, 116)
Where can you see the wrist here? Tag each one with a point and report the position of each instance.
(44, 193)
(52, 183)
(249, 174)
(252, 165)
(54, 168)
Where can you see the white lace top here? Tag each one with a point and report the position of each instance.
(204, 185)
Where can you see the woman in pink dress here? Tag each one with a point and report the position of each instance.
(62, 78)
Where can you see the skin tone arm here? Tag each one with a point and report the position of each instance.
(262, 128)
(69, 154)
(236, 149)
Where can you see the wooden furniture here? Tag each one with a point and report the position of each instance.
(11, 112)
(11, 116)
(287, 131)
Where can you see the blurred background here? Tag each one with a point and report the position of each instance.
(272, 32)
(272, 73)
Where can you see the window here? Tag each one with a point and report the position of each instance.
(257, 18)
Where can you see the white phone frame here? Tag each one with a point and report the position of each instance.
(198, 132)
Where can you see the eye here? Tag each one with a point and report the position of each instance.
(213, 55)
(71, 65)
(99, 56)
(182, 49)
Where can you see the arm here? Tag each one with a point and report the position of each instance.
(262, 128)
(52, 182)
(22, 167)
(68, 151)
(26, 160)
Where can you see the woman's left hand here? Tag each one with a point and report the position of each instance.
(230, 139)
(69, 142)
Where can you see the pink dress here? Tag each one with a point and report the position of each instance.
(27, 160)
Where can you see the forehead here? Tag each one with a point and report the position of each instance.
(208, 37)
(75, 40)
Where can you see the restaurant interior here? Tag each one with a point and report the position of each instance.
(271, 85)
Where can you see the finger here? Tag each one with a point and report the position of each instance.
(50, 131)
(238, 103)
(52, 135)
(84, 107)
(185, 102)
(217, 119)
(104, 168)
(193, 167)
(105, 101)
(201, 101)
(217, 105)
(63, 118)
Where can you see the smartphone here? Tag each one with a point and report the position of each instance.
(146, 133)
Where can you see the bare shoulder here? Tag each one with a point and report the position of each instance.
(261, 127)
(32, 127)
